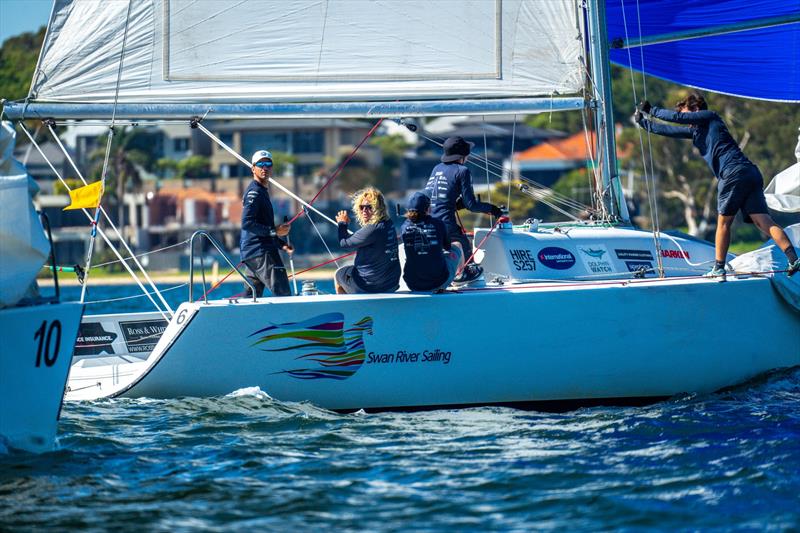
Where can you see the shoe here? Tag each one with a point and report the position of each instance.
(470, 273)
(793, 267)
(716, 272)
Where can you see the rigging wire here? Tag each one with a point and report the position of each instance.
(511, 162)
(109, 221)
(103, 175)
(553, 195)
(113, 248)
(649, 178)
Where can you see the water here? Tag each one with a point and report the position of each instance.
(724, 461)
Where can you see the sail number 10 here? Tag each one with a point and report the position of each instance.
(45, 337)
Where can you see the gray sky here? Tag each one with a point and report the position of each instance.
(18, 16)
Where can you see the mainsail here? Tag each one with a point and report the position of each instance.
(300, 51)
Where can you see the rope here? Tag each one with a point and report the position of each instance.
(511, 163)
(486, 159)
(272, 181)
(649, 178)
(217, 284)
(323, 264)
(553, 196)
(496, 222)
(314, 225)
(339, 168)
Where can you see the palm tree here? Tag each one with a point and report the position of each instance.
(130, 155)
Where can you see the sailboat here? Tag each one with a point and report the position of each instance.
(570, 313)
(37, 333)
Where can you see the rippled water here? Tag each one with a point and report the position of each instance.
(725, 461)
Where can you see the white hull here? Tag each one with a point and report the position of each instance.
(35, 358)
(626, 341)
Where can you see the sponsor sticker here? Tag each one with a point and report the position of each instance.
(522, 260)
(93, 339)
(641, 266)
(556, 258)
(640, 255)
(142, 335)
(675, 254)
(596, 259)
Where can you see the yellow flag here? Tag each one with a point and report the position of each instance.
(86, 196)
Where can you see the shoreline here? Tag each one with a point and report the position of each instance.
(66, 280)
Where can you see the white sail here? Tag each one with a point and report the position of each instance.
(783, 192)
(23, 245)
(308, 51)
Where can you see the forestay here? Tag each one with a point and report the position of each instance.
(303, 51)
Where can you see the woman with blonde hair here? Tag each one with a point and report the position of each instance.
(376, 267)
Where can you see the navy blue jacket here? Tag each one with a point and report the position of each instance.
(708, 134)
(448, 181)
(258, 223)
(424, 242)
(377, 268)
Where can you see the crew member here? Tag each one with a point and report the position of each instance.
(740, 187)
(376, 267)
(450, 184)
(260, 239)
(431, 262)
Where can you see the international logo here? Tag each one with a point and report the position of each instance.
(323, 348)
(556, 258)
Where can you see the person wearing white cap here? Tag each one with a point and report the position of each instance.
(261, 239)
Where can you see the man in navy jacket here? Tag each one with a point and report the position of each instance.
(260, 239)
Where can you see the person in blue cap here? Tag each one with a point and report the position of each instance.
(377, 266)
(261, 239)
(450, 186)
(740, 187)
(431, 262)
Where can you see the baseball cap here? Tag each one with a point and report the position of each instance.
(259, 155)
(419, 202)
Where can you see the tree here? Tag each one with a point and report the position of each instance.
(130, 154)
(194, 166)
(393, 148)
(766, 132)
(18, 58)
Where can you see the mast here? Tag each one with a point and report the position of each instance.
(612, 196)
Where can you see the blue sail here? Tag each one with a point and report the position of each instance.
(755, 62)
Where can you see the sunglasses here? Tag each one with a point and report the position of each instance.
(366, 207)
(264, 164)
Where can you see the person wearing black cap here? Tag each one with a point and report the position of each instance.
(431, 263)
(450, 182)
(260, 238)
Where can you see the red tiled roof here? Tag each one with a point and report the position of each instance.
(573, 148)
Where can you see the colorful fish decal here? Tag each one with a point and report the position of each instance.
(326, 349)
